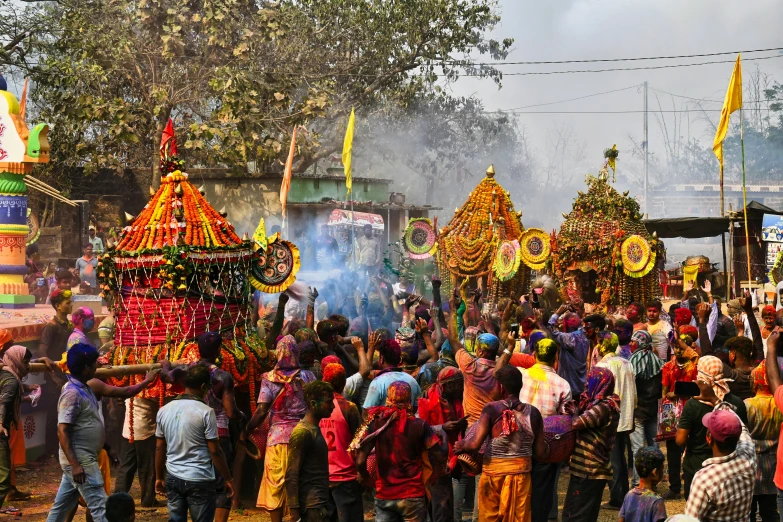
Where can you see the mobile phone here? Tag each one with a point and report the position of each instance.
(514, 328)
(686, 389)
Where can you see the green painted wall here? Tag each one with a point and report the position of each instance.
(311, 190)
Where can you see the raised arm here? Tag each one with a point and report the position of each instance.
(310, 317)
(421, 327)
(773, 370)
(703, 312)
(456, 304)
(277, 326)
(101, 389)
(755, 331)
(364, 363)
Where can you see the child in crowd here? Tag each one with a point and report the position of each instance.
(120, 507)
(642, 503)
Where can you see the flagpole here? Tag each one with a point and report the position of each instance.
(745, 197)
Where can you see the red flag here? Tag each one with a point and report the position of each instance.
(289, 166)
(168, 142)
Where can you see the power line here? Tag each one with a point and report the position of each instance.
(609, 112)
(708, 100)
(648, 68)
(704, 55)
(574, 99)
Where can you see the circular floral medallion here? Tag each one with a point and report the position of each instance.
(35, 230)
(275, 270)
(507, 260)
(419, 238)
(638, 257)
(535, 248)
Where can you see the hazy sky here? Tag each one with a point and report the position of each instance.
(590, 29)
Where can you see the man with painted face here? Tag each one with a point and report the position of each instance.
(574, 347)
(659, 329)
(592, 325)
(682, 368)
(83, 320)
(634, 312)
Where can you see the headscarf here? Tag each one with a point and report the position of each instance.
(646, 364)
(600, 387)
(682, 316)
(711, 371)
(330, 359)
(758, 377)
(690, 331)
(405, 333)
(398, 398)
(305, 334)
(446, 351)
(13, 361)
(287, 365)
(332, 372)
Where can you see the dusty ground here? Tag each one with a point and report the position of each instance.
(43, 478)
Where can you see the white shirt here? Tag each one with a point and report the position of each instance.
(624, 387)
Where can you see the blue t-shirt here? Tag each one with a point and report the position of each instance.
(376, 394)
(643, 505)
(187, 425)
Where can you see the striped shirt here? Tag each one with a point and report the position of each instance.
(590, 459)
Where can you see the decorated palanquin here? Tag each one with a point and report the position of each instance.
(485, 243)
(20, 150)
(179, 270)
(603, 253)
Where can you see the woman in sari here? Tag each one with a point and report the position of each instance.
(282, 398)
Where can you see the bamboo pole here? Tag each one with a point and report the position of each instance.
(745, 199)
(109, 371)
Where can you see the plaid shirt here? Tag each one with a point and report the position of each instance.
(543, 388)
(722, 491)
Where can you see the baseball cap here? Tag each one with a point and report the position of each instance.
(91, 227)
(722, 425)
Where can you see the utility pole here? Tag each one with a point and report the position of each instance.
(646, 148)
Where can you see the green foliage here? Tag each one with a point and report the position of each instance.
(238, 76)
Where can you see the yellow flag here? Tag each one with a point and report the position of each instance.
(732, 102)
(347, 151)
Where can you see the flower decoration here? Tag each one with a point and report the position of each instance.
(419, 238)
(507, 260)
(535, 248)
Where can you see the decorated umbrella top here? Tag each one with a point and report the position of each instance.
(600, 212)
(178, 214)
(469, 240)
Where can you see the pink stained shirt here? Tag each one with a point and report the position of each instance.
(338, 436)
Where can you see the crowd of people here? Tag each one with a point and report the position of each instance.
(430, 408)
